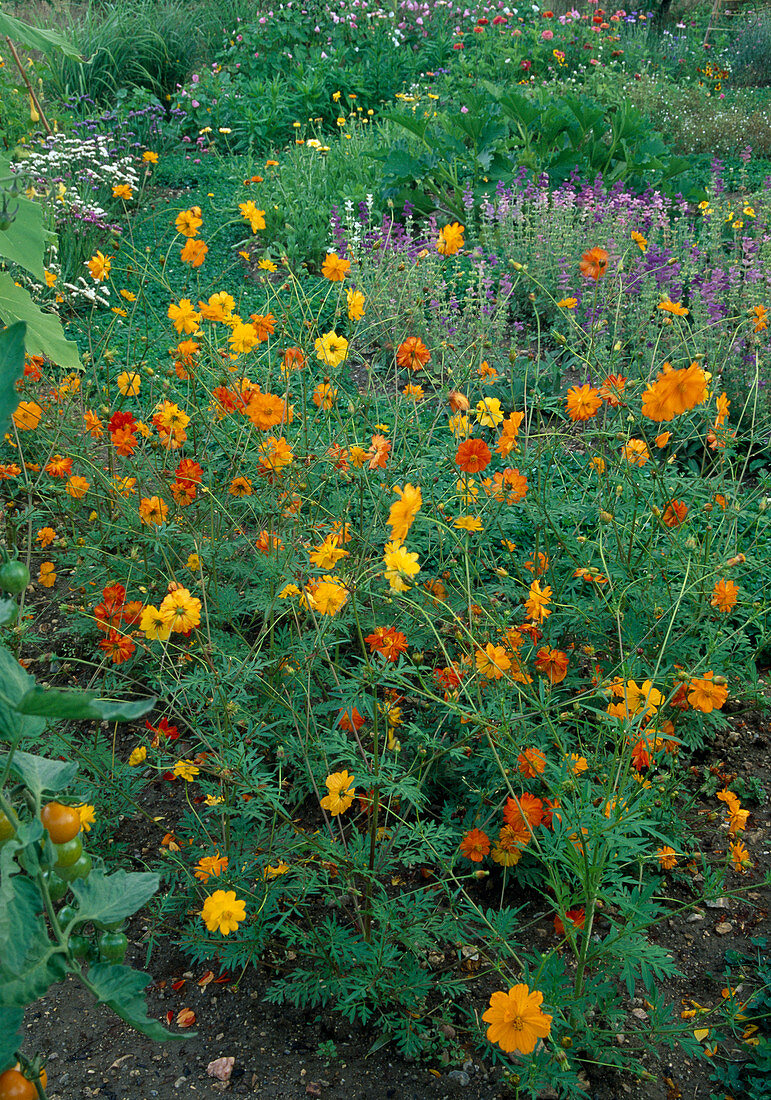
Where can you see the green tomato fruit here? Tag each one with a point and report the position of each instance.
(14, 577)
(57, 887)
(6, 828)
(80, 869)
(66, 914)
(69, 852)
(80, 947)
(112, 947)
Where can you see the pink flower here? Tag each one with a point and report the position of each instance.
(547, 35)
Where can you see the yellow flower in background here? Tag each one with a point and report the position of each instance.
(341, 793)
(400, 564)
(184, 316)
(355, 300)
(251, 214)
(99, 265)
(129, 383)
(331, 349)
(223, 912)
(188, 222)
(47, 574)
(489, 412)
(138, 756)
(149, 157)
(154, 624)
(122, 191)
(335, 268)
(87, 816)
(186, 769)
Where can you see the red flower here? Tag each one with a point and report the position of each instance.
(577, 917)
(475, 845)
(594, 263)
(118, 647)
(674, 513)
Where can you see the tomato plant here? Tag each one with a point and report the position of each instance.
(6, 828)
(15, 1086)
(62, 823)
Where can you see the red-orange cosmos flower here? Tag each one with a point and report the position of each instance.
(473, 455)
(553, 663)
(475, 845)
(582, 402)
(594, 263)
(412, 353)
(387, 640)
(531, 762)
(674, 513)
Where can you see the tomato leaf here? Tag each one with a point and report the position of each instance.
(111, 898)
(81, 705)
(14, 682)
(27, 967)
(11, 369)
(122, 988)
(41, 774)
(11, 1020)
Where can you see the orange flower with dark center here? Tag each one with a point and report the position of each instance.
(594, 263)
(412, 354)
(531, 762)
(473, 455)
(388, 641)
(524, 812)
(475, 845)
(117, 647)
(612, 389)
(582, 402)
(724, 595)
(674, 513)
(552, 663)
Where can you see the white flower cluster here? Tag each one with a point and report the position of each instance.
(80, 163)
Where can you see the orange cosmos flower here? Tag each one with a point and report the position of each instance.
(552, 663)
(47, 574)
(740, 857)
(582, 402)
(378, 452)
(760, 316)
(188, 222)
(268, 544)
(493, 661)
(59, 466)
(475, 845)
(210, 865)
(706, 695)
(636, 452)
(576, 917)
(612, 389)
(516, 1020)
(674, 513)
(194, 252)
(675, 392)
(293, 359)
(594, 263)
(388, 641)
(450, 239)
(536, 602)
(77, 487)
(26, 416)
(509, 846)
(325, 395)
(525, 811)
(153, 511)
(531, 763)
(667, 857)
(264, 324)
(473, 455)
(724, 595)
(335, 268)
(673, 307)
(404, 510)
(118, 647)
(412, 353)
(45, 536)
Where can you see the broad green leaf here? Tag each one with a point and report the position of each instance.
(41, 774)
(122, 989)
(36, 38)
(80, 704)
(45, 335)
(25, 239)
(11, 369)
(14, 682)
(27, 965)
(112, 898)
(11, 1020)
